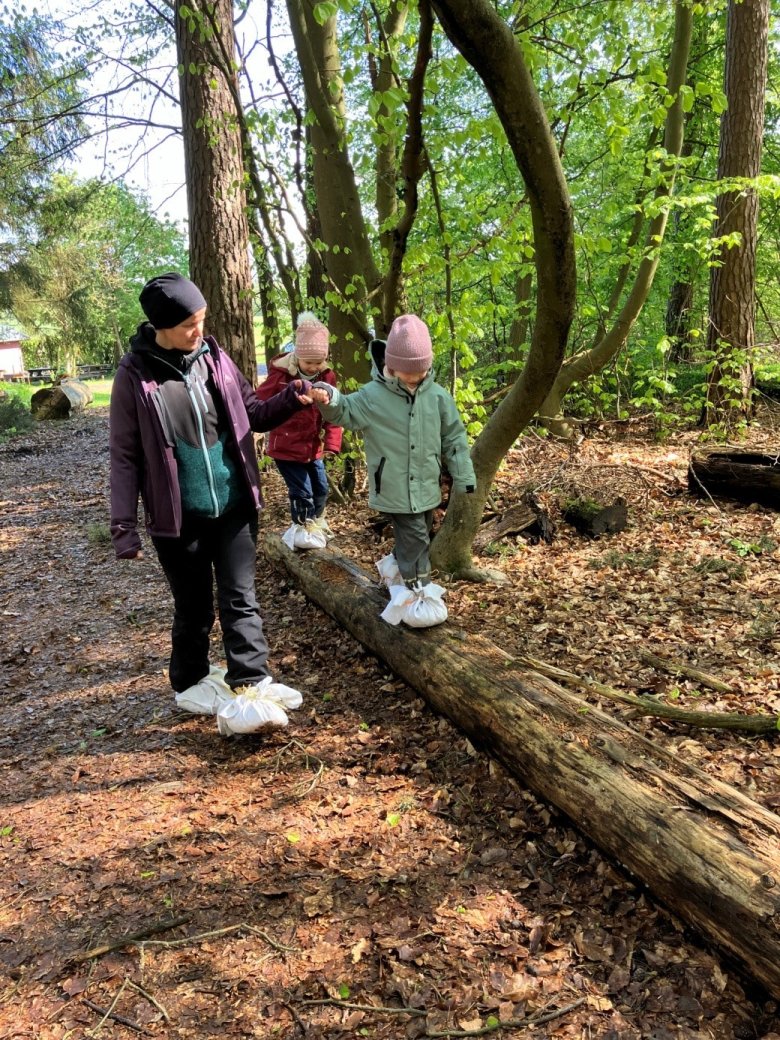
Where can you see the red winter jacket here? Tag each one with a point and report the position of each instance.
(305, 436)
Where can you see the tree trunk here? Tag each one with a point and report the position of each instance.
(488, 44)
(585, 364)
(747, 476)
(706, 850)
(351, 273)
(730, 336)
(62, 401)
(216, 202)
(678, 318)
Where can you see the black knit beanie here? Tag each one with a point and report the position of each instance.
(169, 299)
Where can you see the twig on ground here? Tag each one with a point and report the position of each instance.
(111, 1014)
(307, 756)
(680, 668)
(296, 1018)
(128, 940)
(151, 999)
(511, 1023)
(379, 1008)
(217, 933)
(655, 709)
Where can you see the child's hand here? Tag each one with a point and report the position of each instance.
(302, 390)
(319, 396)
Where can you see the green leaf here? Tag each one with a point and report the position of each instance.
(344, 991)
(324, 11)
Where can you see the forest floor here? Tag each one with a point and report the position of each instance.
(364, 872)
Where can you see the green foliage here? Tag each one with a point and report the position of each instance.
(630, 561)
(79, 265)
(98, 535)
(15, 417)
(601, 71)
(744, 549)
(39, 101)
(717, 565)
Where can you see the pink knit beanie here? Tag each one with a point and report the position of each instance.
(409, 346)
(311, 338)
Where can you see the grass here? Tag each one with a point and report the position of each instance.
(101, 391)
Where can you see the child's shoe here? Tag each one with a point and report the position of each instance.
(420, 607)
(259, 706)
(207, 696)
(304, 536)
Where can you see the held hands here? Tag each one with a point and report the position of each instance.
(307, 394)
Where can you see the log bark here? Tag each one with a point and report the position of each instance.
(706, 850)
(593, 519)
(747, 476)
(528, 517)
(62, 401)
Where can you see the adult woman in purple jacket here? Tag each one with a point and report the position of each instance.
(182, 417)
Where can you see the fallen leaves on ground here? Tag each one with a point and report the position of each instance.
(365, 872)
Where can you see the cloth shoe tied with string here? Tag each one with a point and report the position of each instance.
(389, 572)
(259, 706)
(305, 536)
(419, 607)
(207, 696)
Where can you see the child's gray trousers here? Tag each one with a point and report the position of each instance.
(412, 542)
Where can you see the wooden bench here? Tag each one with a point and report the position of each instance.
(94, 371)
(40, 375)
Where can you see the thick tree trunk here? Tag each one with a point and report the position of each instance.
(733, 280)
(60, 402)
(216, 201)
(706, 850)
(488, 44)
(747, 476)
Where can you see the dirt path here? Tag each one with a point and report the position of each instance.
(366, 856)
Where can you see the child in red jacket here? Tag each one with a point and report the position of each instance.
(299, 444)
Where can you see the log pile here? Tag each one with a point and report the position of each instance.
(67, 398)
(706, 850)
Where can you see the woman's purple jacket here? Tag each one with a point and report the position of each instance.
(143, 462)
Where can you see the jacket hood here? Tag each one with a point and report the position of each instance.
(288, 363)
(144, 342)
(143, 339)
(377, 349)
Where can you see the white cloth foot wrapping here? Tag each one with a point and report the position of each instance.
(304, 536)
(388, 571)
(420, 607)
(207, 696)
(255, 707)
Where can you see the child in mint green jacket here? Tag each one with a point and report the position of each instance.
(411, 428)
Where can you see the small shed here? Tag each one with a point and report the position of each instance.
(11, 359)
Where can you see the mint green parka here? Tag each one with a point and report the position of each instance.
(407, 438)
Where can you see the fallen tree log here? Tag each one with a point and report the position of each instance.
(706, 850)
(747, 476)
(61, 401)
(528, 517)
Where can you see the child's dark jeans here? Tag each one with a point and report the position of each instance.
(307, 485)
